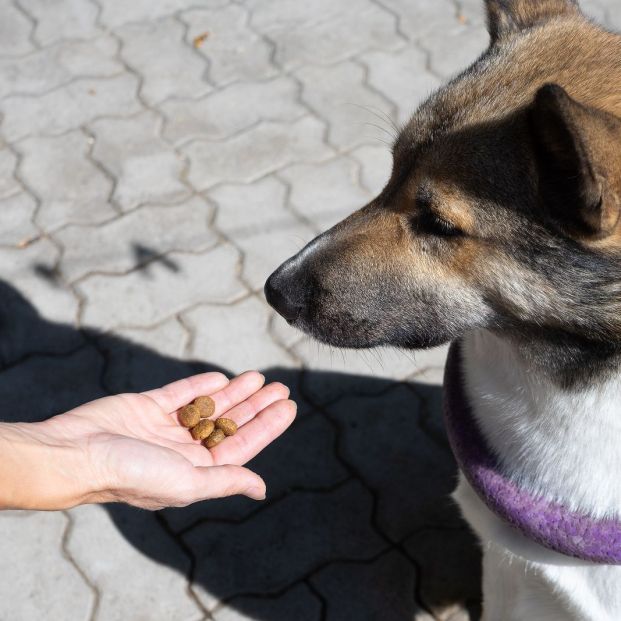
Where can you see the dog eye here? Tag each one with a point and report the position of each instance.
(433, 224)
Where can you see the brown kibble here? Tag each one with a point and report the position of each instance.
(228, 426)
(214, 438)
(189, 415)
(203, 429)
(206, 406)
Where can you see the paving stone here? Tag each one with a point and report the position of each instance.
(175, 71)
(232, 109)
(147, 169)
(233, 50)
(255, 153)
(8, 182)
(297, 603)
(62, 19)
(325, 193)
(255, 556)
(376, 163)
(135, 239)
(16, 213)
(340, 96)
(69, 107)
(381, 589)
(470, 41)
(14, 31)
(403, 78)
(411, 475)
(29, 272)
(45, 385)
(283, 333)
(595, 10)
(256, 217)
(137, 568)
(419, 18)
(115, 13)
(140, 359)
(307, 450)
(54, 66)
(613, 12)
(140, 299)
(322, 32)
(247, 320)
(70, 187)
(450, 580)
(473, 12)
(38, 581)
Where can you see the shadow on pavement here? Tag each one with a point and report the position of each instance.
(357, 524)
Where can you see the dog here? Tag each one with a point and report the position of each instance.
(499, 230)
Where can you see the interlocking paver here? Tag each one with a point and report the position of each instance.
(175, 71)
(233, 50)
(411, 475)
(8, 182)
(154, 589)
(418, 18)
(246, 319)
(325, 193)
(15, 31)
(323, 31)
(146, 168)
(298, 603)
(232, 109)
(62, 19)
(257, 218)
(115, 13)
(382, 589)
(68, 107)
(69, 186)
(339, 95)
(170, 286)
(402, 77)
(376, 162)
(16, 214)
(255, 556)
(136, 238)
(36, 578)
(52, 67)
(255, 153)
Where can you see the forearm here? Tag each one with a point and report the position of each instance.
(39, 470)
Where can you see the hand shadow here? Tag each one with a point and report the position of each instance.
(357, 524)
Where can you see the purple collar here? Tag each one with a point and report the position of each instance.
(548, 523)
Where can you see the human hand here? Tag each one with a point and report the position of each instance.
(130, 447)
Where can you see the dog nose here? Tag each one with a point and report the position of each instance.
(282, 296)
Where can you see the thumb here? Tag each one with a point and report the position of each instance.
(221, 481)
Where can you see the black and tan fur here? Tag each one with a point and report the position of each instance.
(502, 210)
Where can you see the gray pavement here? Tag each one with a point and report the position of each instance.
(157, 160)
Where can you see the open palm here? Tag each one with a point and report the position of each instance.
(139, 454)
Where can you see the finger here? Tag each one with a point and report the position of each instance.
(237, 391)
(173, 396)
(254, 436)
(221, 481)
(248, 409)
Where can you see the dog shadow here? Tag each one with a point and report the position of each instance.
(357, 524)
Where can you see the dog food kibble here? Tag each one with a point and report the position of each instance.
(205, 405)
(214, 438)
(226, 425)
(203, 429)
(189, 416)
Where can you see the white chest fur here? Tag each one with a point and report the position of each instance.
(565, 445)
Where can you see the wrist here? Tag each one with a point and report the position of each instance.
(40, 469)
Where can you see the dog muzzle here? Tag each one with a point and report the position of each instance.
(548, 523)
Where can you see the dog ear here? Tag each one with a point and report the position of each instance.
(505, 17)
(578, 151)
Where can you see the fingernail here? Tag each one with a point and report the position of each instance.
(256, 493)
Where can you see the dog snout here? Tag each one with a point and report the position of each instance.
(285, 292)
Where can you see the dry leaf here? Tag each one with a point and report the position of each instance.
(200, 39)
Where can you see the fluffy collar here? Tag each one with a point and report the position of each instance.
(548, 523)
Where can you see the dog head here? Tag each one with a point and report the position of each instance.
(502, 209)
